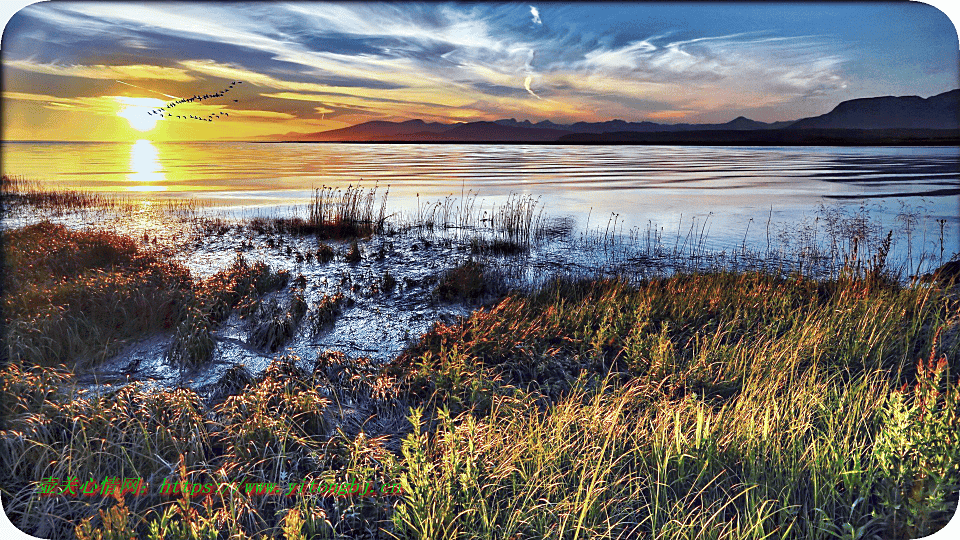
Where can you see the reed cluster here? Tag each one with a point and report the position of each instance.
(351, 212)
(17, 191)
(512, 227)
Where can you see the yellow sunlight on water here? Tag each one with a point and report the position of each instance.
(145, 168)
(138, 111)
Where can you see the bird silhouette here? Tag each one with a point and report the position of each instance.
(164, 111)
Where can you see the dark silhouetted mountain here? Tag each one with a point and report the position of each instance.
(910, 120)
(546, 124)
(491, 132)
(745, 124)
(370, 131)
(774, 137)
(906, 112)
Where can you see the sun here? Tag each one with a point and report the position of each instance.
(136, 110)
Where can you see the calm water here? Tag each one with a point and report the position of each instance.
(732, 191)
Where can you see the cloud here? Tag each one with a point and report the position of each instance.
(430, 60)
(526, 84)
(536, 16)
(729, 70)
(134, 71)
(261, 114)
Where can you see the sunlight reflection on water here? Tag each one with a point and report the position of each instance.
(146, 172)
(645, 186)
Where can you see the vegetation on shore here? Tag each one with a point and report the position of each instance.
(717, 405)
(74, 297)
(70, 295)
(720, 404)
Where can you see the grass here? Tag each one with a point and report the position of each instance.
(326, 311)
(277, 325)
(17, 191)
(239, 287)
(278, 424)
(332, 214)
(354, 255)
(471, 280)
(727, 403)
(715, 405)
(74, 296)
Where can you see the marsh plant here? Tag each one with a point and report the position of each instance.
(722, 395)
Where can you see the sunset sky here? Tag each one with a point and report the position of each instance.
(92, 71)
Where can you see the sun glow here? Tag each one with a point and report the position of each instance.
(136, 111)
(145, 168)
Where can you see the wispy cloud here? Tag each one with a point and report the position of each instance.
(436, 60)
(133, 72)
(526, 84)
(536, 15)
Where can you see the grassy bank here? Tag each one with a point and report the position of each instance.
(74, 297)
(727, 405)
(719, 405)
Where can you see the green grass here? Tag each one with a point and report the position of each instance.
(719, 405)
(715, 405)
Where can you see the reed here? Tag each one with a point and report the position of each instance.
(735, 395)
(351, 212)
(17, 191)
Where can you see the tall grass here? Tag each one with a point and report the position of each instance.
(276, 428)
(349, 212)
(723, 405)
(17, 191)
(76, 296)
(719, 406)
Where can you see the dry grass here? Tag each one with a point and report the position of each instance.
(72, 296)
(718, 405)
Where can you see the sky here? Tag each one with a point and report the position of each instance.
(97, 70)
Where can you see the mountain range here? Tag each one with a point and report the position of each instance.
(878, 120)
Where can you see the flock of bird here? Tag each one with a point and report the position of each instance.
(164, 112)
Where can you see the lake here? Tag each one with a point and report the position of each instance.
(733, 195)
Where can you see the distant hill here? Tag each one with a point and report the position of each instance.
(491, 132)
(879, 120)
(775, 137)
(501, 130)
(370, 131)
(906, 112)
